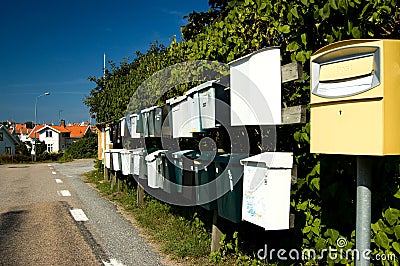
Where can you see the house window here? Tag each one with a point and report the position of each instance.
(49, 147)
(49, 134)
(1, 136)
(8, 150)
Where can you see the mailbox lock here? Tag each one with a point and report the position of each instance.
(340, 112)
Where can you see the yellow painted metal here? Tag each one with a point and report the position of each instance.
(367, 123)
(347, 69)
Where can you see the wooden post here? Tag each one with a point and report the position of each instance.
(112, 179)
(140, 195)
(216, 233)
(106, 174)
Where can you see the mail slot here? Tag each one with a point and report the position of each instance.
(255, 93)
(180, 117)
(354, 98)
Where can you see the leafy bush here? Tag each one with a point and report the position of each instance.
(85, 147)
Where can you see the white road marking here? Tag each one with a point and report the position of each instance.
(113, 262)
(54, 173)
(59, 181)
(69, 175)
(64, 193)
(78, 215)
(49, 165)
(51, 168)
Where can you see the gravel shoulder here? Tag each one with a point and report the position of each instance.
(111, 227)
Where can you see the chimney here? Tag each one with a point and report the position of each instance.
(62, 123)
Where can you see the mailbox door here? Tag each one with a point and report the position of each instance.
(151, 121)
(347, 128)
(207, 108)
(146, 126)
(194, 112)
(180, 119)
(268, 203)
(134, 122)
(256, 88)
(157, 121)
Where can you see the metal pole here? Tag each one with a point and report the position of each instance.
(363, 217)
(34, 132)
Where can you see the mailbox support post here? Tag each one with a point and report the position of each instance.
(363, 216)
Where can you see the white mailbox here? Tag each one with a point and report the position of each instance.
(155, 178)
(134, 125)
(256, 88)
(123, 127)
(107, 159)
(116, 159)
(266, 189)
(180, 117)
(214, 106)
(127, 162)
(194, 98)
(146, 121)
(139, 165)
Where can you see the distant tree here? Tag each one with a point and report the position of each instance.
(29, 124)
(198, 20)
(40, 147)
(86, 147)
(22, 149)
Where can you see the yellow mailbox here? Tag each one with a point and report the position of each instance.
(355, 98)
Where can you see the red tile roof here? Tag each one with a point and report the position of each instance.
(22, 129)
(75, 131)
(35, 129)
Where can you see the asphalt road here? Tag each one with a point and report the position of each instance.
(49, 216)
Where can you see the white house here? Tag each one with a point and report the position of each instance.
(58, 138)
(21, 131)
(7, 141)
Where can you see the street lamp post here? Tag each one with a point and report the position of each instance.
(34, 133)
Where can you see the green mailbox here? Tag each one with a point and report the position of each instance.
(206, 192)
(229, 174)
(184, 171)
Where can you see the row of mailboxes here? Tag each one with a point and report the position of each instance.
(254, 189)
(252, 98)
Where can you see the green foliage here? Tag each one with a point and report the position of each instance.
(85, 147)
(22, 149)
(324, 195)
(40, 148)
(11, 159)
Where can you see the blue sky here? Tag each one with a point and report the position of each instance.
(55, 45)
